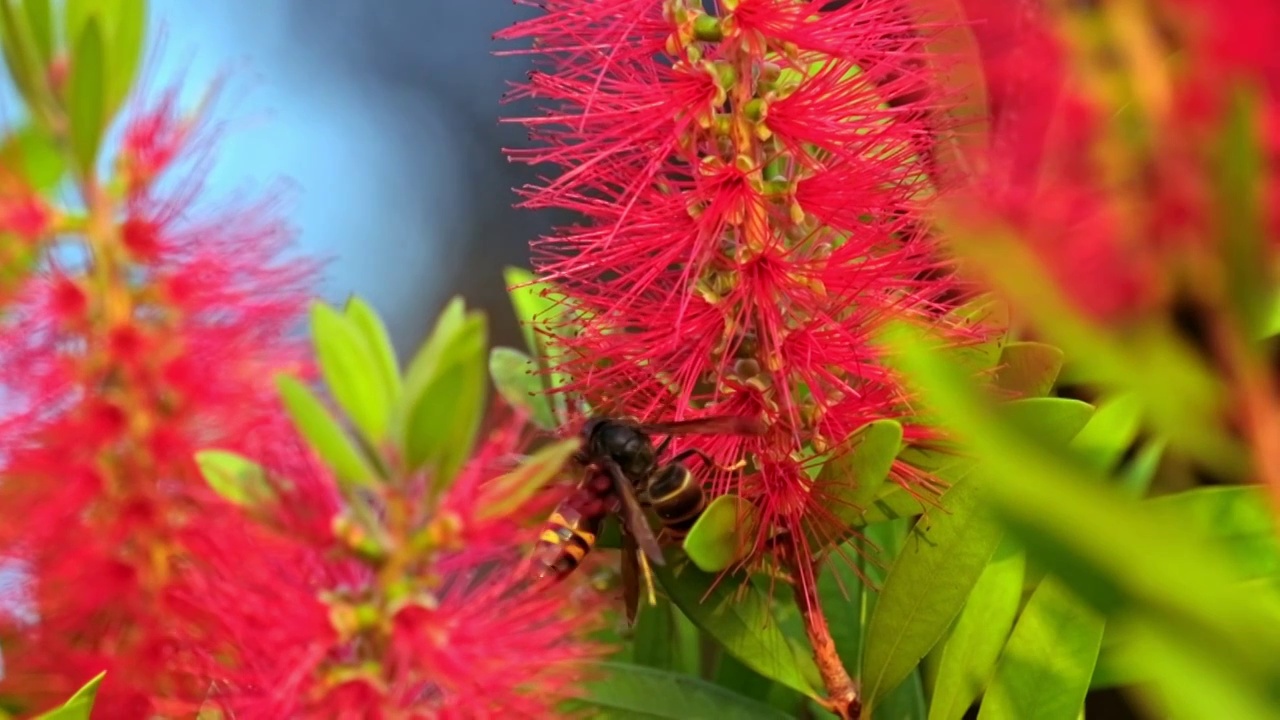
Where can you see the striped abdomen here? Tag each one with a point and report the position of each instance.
(677, 499)
(567, 539)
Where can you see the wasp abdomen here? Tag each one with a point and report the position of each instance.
(566, 540)
(677, 499)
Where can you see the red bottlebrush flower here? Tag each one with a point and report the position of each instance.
(751, 183)
(1116, 221)
(460, 632)
(108, 391)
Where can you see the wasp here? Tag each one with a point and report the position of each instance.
(624, 473)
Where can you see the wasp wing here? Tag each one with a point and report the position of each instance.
(633, 519)
(713, 425)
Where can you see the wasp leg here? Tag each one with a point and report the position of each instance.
(648, 578)
(707, 459)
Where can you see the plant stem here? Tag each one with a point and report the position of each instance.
(843, 697)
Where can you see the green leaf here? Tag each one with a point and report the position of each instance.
(1237, 519)
(427, 361)
(635, 691)
(128, 32)
(22, 56)
(1248, 282)
(80, 705)
(532, 306)
(1110, 431)
(1136, 477)
(1046, 666)
(843, 596)
(378, 341)
(513, 375)
(1029, 368)
(974, 645)
(40, 21)
(927, 586)
(324, 434)
(666, 639)
(905, 702)
(35, 156)
(849, 483)
(235, 477)
(718, 538)
(86, 103)
(352, 372)
(1055, 421)
(445, 416)
(736, 614)
(892, 502)
(1109, 548)
(508, 492)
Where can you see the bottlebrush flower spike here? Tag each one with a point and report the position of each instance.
(446, 624)
(116, 371)
(752, 182)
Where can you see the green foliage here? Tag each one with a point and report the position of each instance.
(353, 372)
(1029, 368)
(971, 649)
(850, 483)
(635, 691)
(927, 586)
(510, 491)
(513, 375)
(80, 705)
(1163, 577)
(737, 615)
(325, 435)
(449, 373)
(1045, 668)
(34, 155)
(234, 477)
(720, 536)
(86, 94)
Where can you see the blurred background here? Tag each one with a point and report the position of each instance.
(383, 119)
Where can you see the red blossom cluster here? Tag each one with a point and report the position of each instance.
(751, 182)
(1120, 205)
(150, 327)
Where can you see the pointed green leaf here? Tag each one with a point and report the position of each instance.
(1111, 550)
(638, 692)
(720, 536)
(737, 615)
(128, 32)
(513, 375)
(235, 477)
(849, 483)
(444, 418)
(427, 360)
(1136, 477)
(22, 54)
(905, 702)
(1029, 368)
(352, 373)
(1250, 281)
(533, 307)
(1104, 440)
(1055, 421)
(974, 645)
(927, 586)
(666, 639)
(324, 434)
(378, 341)
(1045, 669)
(86, 103)
(80, 705)
(508, 492)
(40, 21)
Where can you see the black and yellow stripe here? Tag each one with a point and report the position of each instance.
(677, 499)
(565, 542)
